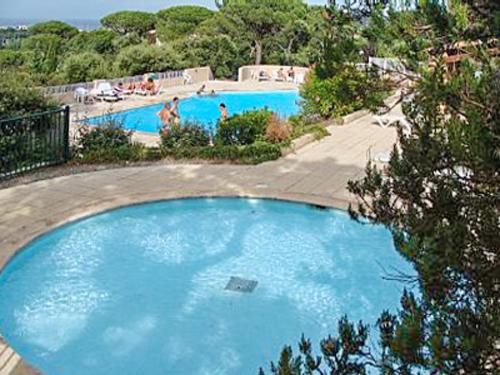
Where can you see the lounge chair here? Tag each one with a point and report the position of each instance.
(299, 79)
(388, 120)
(105, 92)
(121, 91)
(187, 78)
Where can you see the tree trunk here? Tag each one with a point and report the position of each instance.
(258, 52)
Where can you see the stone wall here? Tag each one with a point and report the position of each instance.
(248, 72)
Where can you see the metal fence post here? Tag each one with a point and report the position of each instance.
(66, 132)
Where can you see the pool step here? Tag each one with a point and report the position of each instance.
(9, 359)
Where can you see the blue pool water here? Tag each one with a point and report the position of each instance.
(205, 109)
(141, 290)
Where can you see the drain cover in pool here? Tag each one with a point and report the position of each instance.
(237, 284)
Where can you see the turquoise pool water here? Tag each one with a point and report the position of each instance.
(205, 109)
(141, 290)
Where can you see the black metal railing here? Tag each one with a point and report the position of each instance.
(33, 141)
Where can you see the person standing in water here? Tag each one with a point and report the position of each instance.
(223, 112)
(174, 112)
(165, 116)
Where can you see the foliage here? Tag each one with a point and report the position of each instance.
(217, 51)
(343, 355)
(256, 153)
(179, 21)
(184, 136)
(349, 90)
(147, 58)
(84, 67)
(130, 22)
(11, 58)
(19, 97)
(44, 52)
(277, 130)
(445, 180)
(58, 28)
(109, 142)
(438, 195)
(242, 129)
(101, 41)
(303, 124)
(261, 19)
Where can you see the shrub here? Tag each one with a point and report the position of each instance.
(11, 58)
(347, 91)
(185, 135)
(143, 58)
(84, 67)
(242, 129)
(251, 154)
(302, 124)
(101, 41)
(18, 96)
(277, 131)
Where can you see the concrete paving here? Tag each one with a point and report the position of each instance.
(317, 173)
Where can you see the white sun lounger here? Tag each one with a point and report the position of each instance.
(105, 92)
(388, 120)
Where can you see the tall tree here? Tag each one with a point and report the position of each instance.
(126, 22)
(261, 19)
(179, 21)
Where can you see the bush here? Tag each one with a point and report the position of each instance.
(301, 125)
(84, 67)
(101, 41)
(252, 154)
(277, 131)
(18, 96)
(186, 135)
(143, 58)
(242, 129)
(10, 58)
(347, 91)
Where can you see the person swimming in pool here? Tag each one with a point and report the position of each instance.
(174, 112)
(223, 112)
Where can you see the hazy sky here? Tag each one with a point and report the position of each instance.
(90, 9)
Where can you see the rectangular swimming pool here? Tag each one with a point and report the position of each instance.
(205, 109)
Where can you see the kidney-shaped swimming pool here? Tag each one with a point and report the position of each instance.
(192, 286)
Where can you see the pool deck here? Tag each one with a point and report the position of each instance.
(317, 173)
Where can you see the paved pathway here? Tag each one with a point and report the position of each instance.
(318, 173)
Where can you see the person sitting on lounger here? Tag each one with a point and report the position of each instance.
(201, 90)
(223, 112)
(281, 75)
(291, 74)
(174, 112)
(149, 86)
(165, 116)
